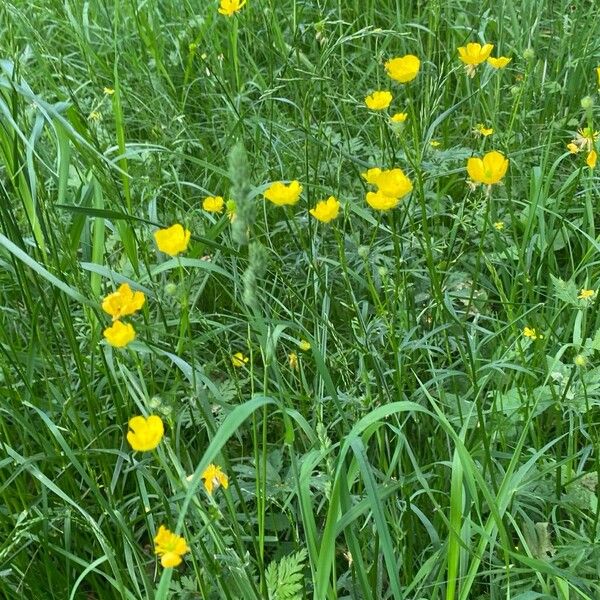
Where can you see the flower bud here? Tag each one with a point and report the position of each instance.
(587, 103)
(529, 54)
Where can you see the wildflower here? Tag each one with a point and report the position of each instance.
(231, 208)
(214, 478)
(530, 332)
(280, 194)
(380, 201)
(580, 360)
(499, 225)
(586, 294)
(213, 204)
(393, 183)
(474, 54)
(145, 433)
(403, 68)
(481, 129)
(123, 302)
(399, 117)
(95, 116)
(304, 345)
(119, 334)
(591, 159)
(435, 144)
(371, 175)
(109, 91)
(239, 360)
(573, 148)
(498, 63)
(230, 7)
(326, 210)
(170, 547)
(488, 170)
(293, 361)
(586, 138)
(379, 100)
(173, 240)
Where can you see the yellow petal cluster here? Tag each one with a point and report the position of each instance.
(474, 53)
(119, 334)
(173, 240)
(145, 433)
(230, 7)
(591, 159)
(403, 68)
(399, 117)
(214, 204)
(214, 478)
(239, 360)
(392, 185)
(498, 63)
(488, 170)
(170, 547)
(326, 210)
(123, 302)
(379, 100)
(283, 195)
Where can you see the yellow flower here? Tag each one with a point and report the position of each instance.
(489, 170)
(498, 63)
(293, 360)
(214, 478)
(119, 334)
(145, 433)
(239, 360)
(399, 117)
(213, 204)
(530, 332)
(95, 115)
(109, 91)
(380, 201)
(326, 210)
(591, 159)
(304, 345)
(230, 7)
(172, 240)
(474, 53)
(435, 144)
(123, 302)
(403, 68)
(170, 547)
(379, 100)
(371, 175)
(280, 194)
(586, 138)
(393, 183)
(586, 294)
(573, 148)
(483, 130)
(499, 225)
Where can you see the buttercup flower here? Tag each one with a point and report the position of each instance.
(326, 210)
(481, 129)
(170, 547)
(230, 7)
(214, 478)
(586, 294)
(573, 148)
(498, 63)
(531, 333)
(489, 170)
(435, 144)
(379, 100)
(380, 201)
(304, 345)
(403, 68)
(399, 117)
(393, 183)
(293, 360)
(474, 54)
(214, 204)
(280, 194)
(109, 91)
(145, 433)
(591, 159)
(123, 302)
(172, 240)
(371, 175)
(586, 138)
(499, 225)
(119, 334)
(239, 360)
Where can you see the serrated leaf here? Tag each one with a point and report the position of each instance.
(565, 290)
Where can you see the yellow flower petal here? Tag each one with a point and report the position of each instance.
(172, 240)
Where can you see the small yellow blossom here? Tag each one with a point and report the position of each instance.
(403, 68)
(145, 433)
(172, 240)
(379, 100)
(304, 345)
(591, 159)
(393, 183)
(475, 53)
(530, 332)
(498, 63)
(280, 194)
(573, 148)
(109, 91)
(586, 294)
(123, 302)
(371, 175)
(214, 478)
(213, 204)
(293, 360)
(95, 116)
(170, 547)
(399, 117)
(230, 7)
(499, 225)
(435, 144)
(380, 201)
(119, 334)
(326, 210)
(239, 360)
(481, 129)
(488, 170)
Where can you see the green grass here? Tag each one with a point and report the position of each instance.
(424, 447)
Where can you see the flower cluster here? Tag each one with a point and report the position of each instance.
(123, 302)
